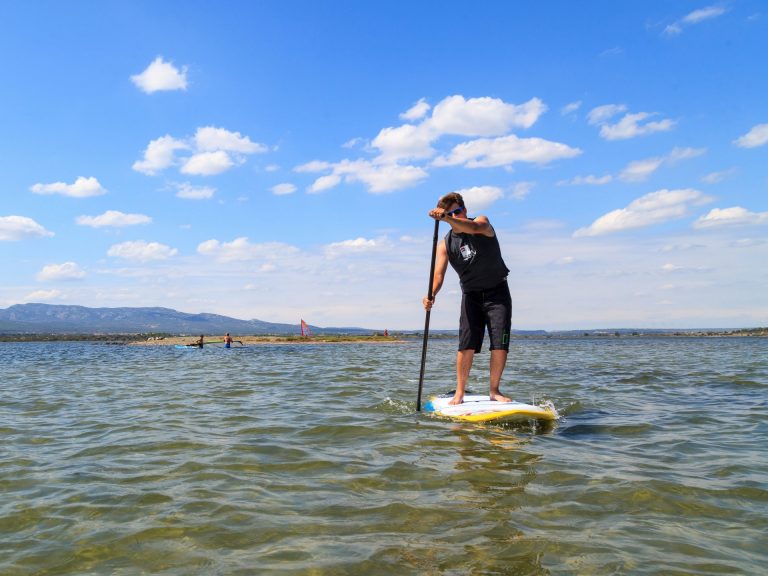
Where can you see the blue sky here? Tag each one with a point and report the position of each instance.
(277, 160)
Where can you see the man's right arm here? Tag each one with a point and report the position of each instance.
(441, 264)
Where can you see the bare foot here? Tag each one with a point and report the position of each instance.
(499, 397)
(457, 399)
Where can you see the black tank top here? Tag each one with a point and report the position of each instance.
(477, 260)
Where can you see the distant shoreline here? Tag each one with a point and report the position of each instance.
(254, 340)
(154, 339)
(213, 340)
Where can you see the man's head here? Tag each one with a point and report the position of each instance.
(449, 199)
(453, 204)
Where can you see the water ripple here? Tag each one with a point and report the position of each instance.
(312, 459)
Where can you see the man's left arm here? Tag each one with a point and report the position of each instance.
(480, 225)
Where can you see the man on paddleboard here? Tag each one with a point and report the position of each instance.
(473, 250)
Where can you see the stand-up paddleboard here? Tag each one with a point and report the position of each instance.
(479, 408)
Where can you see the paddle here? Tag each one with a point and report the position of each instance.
(426, 320)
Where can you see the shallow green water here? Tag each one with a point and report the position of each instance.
(312, 460)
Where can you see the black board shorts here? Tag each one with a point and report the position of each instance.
(491, 309)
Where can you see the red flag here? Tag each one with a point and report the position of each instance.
(305, 329)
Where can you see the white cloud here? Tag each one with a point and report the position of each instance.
(213, 151)
(747, 242)
(417, 111)
(601, 114)
(65, 271)
(483, 116)
(639, 170)
(207, 163)
(570, 108)
(141, 251)
(479, 198)
(504, 151)
(455, 115)
(590, 180)
(679, 154)
(716, 177)
(681, 247)
(210, 139)
(757, 136)
(240, 249)
(401, 147)
(382, 178)
(544, 259)
(379, 178)
(161, 75)
(113, 218)
(188, 191)
(522, 189)
(354, 143)
(653, 208)
(324, 183)
(694, 17)
(734, 216)
(704, 14)
(670, 268)
(14, 228)
(630, 127)
(613, 51)
(159, 155)
(283, 189)
(43, 295)
(314, 166)
(82, 188)
(406, 141)
(356, 246)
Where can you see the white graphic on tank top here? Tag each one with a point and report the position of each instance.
(467, 252)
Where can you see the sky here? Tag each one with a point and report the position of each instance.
(277, 160)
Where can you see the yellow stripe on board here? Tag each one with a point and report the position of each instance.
(521, 414)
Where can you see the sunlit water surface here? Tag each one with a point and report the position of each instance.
(291, 459)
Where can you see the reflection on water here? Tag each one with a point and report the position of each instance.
(311, 459)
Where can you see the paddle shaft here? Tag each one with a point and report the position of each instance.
(426, 320)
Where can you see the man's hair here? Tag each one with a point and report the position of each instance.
(450, 198)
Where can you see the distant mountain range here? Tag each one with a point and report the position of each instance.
(58, 319)
(61, 319)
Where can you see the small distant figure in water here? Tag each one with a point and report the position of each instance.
(227, 340)
(200, 341)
